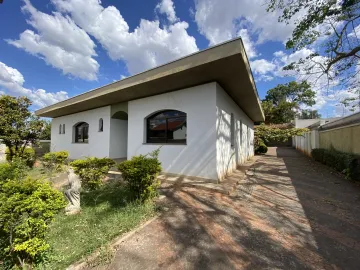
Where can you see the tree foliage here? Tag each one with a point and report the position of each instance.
(46, 131)
(18, 126)
(309, 114)
(334, 27)
(280, 133)
(282, 102)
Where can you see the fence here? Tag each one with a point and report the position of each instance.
(342, 134)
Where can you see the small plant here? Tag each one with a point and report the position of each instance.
(259, 146)
(140, 173)
(27, 207)
(16, 169)
(92, 171)
(55, 161)
(28, 155)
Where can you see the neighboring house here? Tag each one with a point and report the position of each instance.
(311, 139)
(200, 109)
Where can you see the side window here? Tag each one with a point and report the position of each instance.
(101, 125)
(63, 129)
(60, 129)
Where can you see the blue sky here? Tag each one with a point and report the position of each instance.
(51, 50)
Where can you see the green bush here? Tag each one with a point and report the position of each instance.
(55, 161)
(28, 156)
(27, 207)
(259, 146)
(16, 169)
(92, 171)
(140, 173)
(346, 163)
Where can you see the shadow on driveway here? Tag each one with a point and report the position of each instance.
(288, 213)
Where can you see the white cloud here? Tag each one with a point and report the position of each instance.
(146, 47)
(279, 54)
(167, 7)
(60, 42)
(262, 66)
(219, 21)
(12, 80)
(248, 44)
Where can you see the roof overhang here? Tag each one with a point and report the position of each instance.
(226, 64)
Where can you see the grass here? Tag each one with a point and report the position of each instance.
(106, 213)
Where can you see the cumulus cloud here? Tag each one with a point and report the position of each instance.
(262, 66)
(219, 21)
(167, 7)
(12, 80)
(60, 42)
(248, 43)
(147, 46)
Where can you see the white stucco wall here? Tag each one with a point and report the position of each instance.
(198, 156)
(227, 156)
(118, 138)
(98, 141)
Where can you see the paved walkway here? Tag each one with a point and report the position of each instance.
(288, 213)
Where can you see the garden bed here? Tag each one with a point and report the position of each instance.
(105, 214)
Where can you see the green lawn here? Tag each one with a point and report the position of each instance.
(106, 213)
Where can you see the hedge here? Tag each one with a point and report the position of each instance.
(346, 163)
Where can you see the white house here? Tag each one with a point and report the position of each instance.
(200, 109)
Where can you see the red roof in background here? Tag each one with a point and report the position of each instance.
(171, 125)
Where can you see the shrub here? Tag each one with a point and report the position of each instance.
(259, 146)
(140, 173)
(55, 161)
(92, 171)
(27, 207)
(28, 155)
(13, 170)
(346, 163)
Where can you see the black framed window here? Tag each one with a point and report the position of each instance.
(101, 125)
(168, 126)
(60, 129)
(63, 129)
(82, 133)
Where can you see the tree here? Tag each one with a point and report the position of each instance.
(281, 102)
(18, 126)
(334, 27)
(309, 114)
(46, 131)
(280, 133)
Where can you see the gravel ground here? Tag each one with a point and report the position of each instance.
(288, 213)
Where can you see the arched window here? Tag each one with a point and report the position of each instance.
(82, 132)
(63, 129)
(166, 127)
(101, 125)
(60, 129)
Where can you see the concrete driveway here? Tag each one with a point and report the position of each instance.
(288, 213)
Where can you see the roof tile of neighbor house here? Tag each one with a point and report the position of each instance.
(226, 64)
(170, 126)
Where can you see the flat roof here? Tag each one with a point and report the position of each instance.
(351, 119)
(226, 64)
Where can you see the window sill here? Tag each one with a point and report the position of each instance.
(80, 143)
(165, 144)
